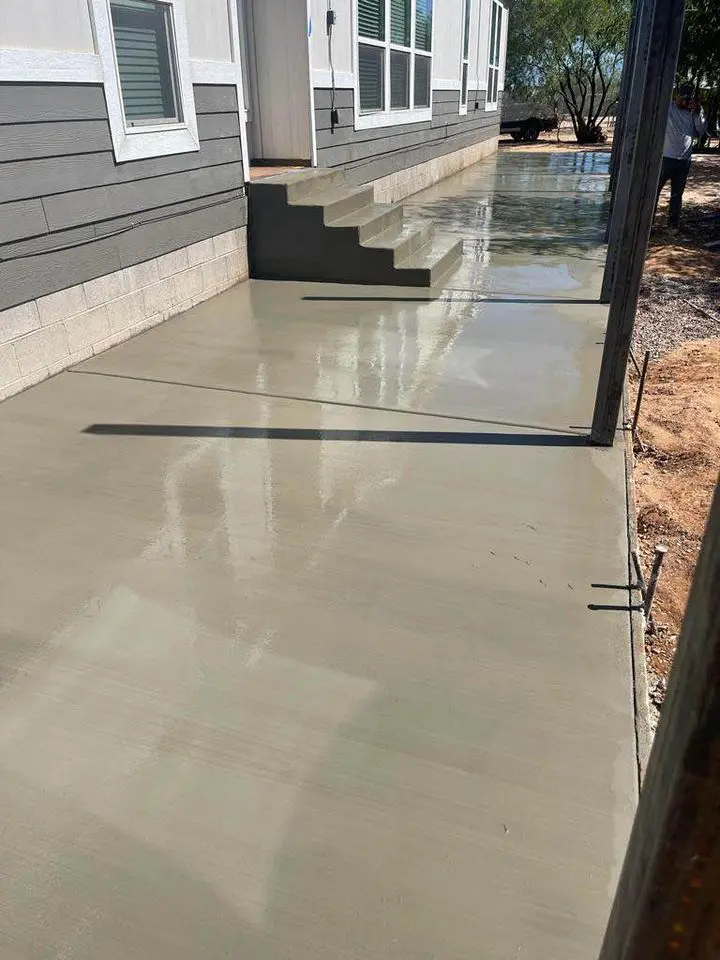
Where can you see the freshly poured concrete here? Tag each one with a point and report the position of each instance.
(332, 693)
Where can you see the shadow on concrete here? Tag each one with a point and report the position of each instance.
(352, 436)
(445, 297)
(326, 402)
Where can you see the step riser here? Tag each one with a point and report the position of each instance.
(341, 208)
(452, 259)
(422, 236)
(311, 186)
(386, 220)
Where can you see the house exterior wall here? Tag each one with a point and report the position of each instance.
(63, 25)
(372, 152)
(101, 237)
(368, 155)
(69, 213)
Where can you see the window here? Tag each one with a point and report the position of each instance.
(146, 71)
(143, 34)
(465, 57)
(394, 57)
(496, 25)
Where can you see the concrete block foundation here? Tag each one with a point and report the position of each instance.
(44, 336)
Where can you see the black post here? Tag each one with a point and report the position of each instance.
(626, 147)
(667, 903)
(625, 81)
(664, 45)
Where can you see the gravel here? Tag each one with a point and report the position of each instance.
(673, 310)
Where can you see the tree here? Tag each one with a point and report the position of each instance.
(569, 52)
(699, 60)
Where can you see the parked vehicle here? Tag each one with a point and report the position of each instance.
(526, 121)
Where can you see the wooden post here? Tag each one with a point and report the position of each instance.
(667, 903)
(654, 95)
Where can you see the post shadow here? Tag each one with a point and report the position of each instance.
(335, 435)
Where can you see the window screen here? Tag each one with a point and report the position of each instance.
(422, 81)
(399, 80)
(371, 64)
(146, 61)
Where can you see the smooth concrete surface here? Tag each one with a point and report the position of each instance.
(301, 654)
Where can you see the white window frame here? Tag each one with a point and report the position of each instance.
(392, 117)
(499, 34)
(466, 9)
(157, 139)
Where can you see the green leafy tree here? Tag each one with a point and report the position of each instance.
(699, 61)
(570, 53)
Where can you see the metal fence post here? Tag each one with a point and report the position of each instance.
(654, 95)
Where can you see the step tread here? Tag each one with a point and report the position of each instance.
(393, 237)
(428, 256)
(290, 178)
(364, 215)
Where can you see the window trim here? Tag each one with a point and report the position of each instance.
(493, 105)
(466, 10)
(156, 139)
(392, 116)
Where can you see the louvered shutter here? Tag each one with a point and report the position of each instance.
(371, 19)
(144, 59)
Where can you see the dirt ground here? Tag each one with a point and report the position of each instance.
(677, 459)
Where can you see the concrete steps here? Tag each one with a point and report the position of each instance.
(311, 225)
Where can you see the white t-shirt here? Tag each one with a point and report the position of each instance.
(682, 128)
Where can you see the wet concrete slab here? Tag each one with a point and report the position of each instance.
(301, 654)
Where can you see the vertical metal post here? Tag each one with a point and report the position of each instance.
(626, 147)
(641, 390)
(658, 560)
(658, 79)
(625, 81)
(667, 902)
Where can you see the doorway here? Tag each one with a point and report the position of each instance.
(278, 82)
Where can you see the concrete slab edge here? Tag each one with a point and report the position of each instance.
(643, 729)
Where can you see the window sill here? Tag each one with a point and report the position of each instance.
(147, 142)
(370, 121)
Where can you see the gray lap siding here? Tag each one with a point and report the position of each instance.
(368, 154)
(69, 213)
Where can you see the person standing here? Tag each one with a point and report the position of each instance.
(685, 122)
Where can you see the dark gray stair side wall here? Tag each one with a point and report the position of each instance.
(291, 242)
(60, 186)
(369, 154)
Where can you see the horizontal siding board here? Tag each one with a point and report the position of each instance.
(48, 177)
(215, 99)
(151, 240)
(55, 144)
(38, 246)
(218, 126)
(20, 220)
(323, 98)
(383, 150)
(362, 171)
(30, 141)
(55, 271)
(346, 118)
(104, 203)
(37, 103)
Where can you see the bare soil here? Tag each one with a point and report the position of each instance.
(677, 459)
